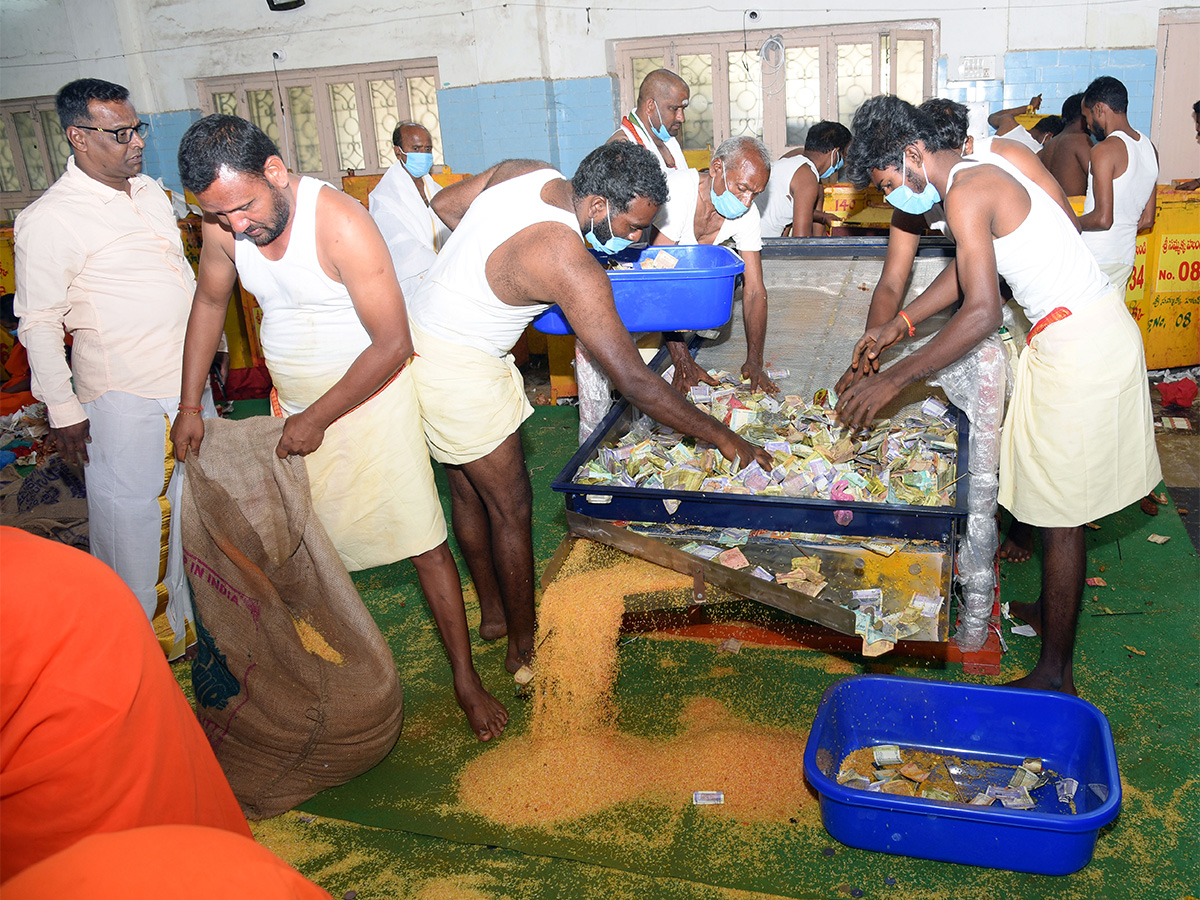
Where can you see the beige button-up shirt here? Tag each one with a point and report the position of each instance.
(110, 267)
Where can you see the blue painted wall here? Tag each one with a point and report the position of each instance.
(160, 159)
(556, 121)
(1056, 74)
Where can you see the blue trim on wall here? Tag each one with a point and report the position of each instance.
(160, 159)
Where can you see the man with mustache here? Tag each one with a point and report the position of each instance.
(336, 341)
(99, 254)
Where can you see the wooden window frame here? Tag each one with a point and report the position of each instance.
(826, 37)
(319, 80)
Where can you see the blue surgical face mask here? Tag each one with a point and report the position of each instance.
(907, 200)
(11, 331)
(660, 130)
(833, 166)
(613, 245)
(727, 204)
(418, 164)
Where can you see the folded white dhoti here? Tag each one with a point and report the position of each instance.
(1078, 439)
(470, 401)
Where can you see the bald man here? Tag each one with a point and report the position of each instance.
(400, 206)
(657, 119)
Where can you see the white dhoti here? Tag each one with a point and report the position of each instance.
(470, 401)
(133, 493)
(372, 483)
(1078, 440)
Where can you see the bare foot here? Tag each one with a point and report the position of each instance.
(1029, 613)
(1040, 681)
(1018, 544)
(517, 658)
(491, 631)
(485, 713)
(492, 623)
(1149, 505)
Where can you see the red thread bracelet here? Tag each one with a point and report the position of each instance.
(912, 331)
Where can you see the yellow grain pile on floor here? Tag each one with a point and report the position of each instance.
(574, 761)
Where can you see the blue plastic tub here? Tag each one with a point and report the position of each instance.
(975, 722)
(695, 295)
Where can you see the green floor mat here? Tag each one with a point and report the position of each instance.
(1151, 701)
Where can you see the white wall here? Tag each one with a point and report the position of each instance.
(158, 47)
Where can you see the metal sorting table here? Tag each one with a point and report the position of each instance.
(819, 292)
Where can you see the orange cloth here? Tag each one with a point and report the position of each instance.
(95, 734)
(17, 366)
(182, 862)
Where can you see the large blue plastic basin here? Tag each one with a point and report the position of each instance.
(975, 722)
(696, 294)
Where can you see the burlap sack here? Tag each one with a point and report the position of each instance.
(51, 502)
(295, 686)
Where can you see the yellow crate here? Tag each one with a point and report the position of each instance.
(1163, 293)
(865, 207)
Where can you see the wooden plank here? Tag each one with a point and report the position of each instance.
(768, 593)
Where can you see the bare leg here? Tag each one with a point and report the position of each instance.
(1062, 588)
(473, 532)
(1029, 613)
(501, 482)
(443, 592)
(1018, 543)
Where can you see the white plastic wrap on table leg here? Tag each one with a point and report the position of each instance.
(979, 384)
(595, 391)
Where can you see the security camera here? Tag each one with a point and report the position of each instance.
(752, 15)
(279, 55)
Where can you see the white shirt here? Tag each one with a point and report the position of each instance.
(776, 203)
(456, 301)
(636, 131)
(1131, 190)
(413, 232)
(677, 219)
(1043, 259)
(1020, 135)
(110, 267)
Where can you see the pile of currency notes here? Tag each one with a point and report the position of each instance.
(909, 460)
(874, 626)
(892, 773)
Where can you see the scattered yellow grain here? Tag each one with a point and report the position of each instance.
(575, 762)
(314, 643)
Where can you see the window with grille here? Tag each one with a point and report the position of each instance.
(328, 121)
(33, 152)
(774, 85)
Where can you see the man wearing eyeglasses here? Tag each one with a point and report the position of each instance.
(99, 255)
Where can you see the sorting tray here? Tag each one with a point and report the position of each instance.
(695, 295)
(976, 722)
(625, 504)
